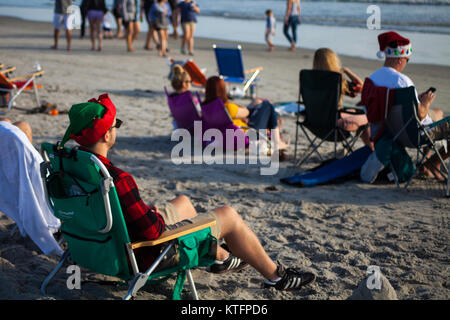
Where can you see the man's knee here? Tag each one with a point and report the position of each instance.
(5, 119)
(26, 128)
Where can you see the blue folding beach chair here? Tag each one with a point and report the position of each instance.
(231, 68)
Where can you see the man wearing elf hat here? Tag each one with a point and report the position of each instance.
(94, 126)
(396, 51)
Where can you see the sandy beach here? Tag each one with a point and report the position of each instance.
(337, 230)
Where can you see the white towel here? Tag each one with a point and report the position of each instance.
(22, 195)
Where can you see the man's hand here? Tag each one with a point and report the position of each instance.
(425, 99)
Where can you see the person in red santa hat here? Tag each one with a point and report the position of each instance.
(93, 125)
(396, 51)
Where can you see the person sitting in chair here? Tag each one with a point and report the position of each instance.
(396, 50)
(326, 59)
(93, 125)
(260, 114)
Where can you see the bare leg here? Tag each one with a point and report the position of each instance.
(69, 39)
(129, 37)
(26, 128)
(239, 237)
(55, 38)
(99, 34)
(92, 33)
(190, 40)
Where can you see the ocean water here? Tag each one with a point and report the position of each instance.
(340, 24)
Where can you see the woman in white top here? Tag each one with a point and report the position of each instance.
(292, 20)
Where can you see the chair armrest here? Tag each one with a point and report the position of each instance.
(176, 233)
(28, 76)
(253, 70)
(7, 70)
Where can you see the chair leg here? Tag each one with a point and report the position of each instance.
(192, 284)
(141, 278)
(36, 94)
(53, 273)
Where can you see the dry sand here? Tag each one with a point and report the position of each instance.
(336, 231)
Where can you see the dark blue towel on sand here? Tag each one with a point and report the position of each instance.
(337, 169)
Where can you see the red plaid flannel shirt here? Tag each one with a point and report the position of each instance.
(143, 222)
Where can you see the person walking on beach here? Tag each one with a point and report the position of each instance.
(62, 17)
(188, 11)
(159, 16)
(146, 5)
(94, 125)
(96, 10)
(396, 50)
(174, 18)
(270, 29)
(117, 11)
(130, 21)
(292, 20)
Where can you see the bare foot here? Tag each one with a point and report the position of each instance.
(54, 47)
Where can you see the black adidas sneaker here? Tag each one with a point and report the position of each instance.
(232, 263)
(291, 279)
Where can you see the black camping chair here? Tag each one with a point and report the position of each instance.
(320, 92)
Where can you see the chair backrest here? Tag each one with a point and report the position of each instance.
(5, 83)
(183, 110)
(215, 116)
(320, 92)
(77, 186)
(197, 76)
(401, 120)
(393, 110)
(229, 61)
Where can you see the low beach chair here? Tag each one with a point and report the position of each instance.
(81, 193)
(231, 67)
(215, 116)
(13, 87)
(183, 110)
(394, 112)
(320, 92)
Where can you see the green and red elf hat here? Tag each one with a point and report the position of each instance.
(89, 121)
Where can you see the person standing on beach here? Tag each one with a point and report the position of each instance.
(270, 29)
(146, 5)
(130, 21)
(117, 11)
(188, 11)
(159, 16)
(174, 19)
(93, 125)
(96, 10)
(62, 17)
(292, 20)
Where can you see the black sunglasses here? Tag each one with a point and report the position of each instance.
(118, 124)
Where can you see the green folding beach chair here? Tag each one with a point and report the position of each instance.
(403, 123)
(82, 195)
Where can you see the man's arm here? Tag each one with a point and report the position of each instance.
(143, 222)
(425, 101)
